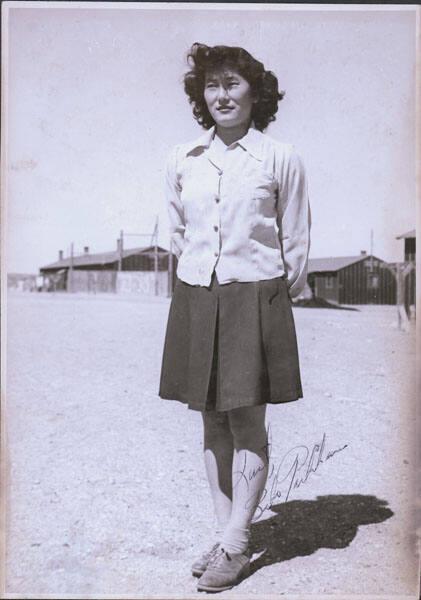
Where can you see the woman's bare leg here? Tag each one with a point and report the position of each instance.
(218, 452)
(250, 470)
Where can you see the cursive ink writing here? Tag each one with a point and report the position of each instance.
(247, 477)
(291, 472)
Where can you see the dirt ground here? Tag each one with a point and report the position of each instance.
(106, 490)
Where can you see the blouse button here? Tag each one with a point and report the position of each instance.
(215, 227)
(217, 199)
(216, 253)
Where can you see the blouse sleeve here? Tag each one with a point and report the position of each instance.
(294, 221)
(174, 205)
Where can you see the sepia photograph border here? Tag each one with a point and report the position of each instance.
(5, 136)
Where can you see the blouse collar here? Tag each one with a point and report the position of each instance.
(251, 141)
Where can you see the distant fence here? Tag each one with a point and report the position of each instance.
(142, 282)
(120, 282)
(23, 283)
(91, 281)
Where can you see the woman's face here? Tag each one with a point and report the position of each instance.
(228, 97)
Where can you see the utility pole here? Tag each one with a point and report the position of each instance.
(400, 271)
(120, 251)
(153, 251)
(156, 256)
(70, 281)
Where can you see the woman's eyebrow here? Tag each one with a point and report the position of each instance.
(230, 76)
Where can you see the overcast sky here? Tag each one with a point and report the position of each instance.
(95, 101)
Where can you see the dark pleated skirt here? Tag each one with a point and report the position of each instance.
(229, 346)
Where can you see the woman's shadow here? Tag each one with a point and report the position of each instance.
(301, 527)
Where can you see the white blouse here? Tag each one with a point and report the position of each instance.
(241, 210)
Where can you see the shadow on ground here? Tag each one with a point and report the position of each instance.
(303, 526)
(317, 302)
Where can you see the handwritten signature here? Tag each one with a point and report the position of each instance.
(292, 471)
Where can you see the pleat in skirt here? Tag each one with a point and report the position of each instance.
(231, 345)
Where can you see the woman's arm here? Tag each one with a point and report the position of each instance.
(294, 221)
(174, 206)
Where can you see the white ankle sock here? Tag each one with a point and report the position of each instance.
(235, 540)
(219, 532)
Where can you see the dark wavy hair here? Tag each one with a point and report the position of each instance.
(264, 84)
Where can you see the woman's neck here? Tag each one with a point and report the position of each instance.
(229, 135)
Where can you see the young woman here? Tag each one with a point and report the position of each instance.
(240, 223)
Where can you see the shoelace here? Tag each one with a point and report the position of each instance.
(218, 557)
(213, 552)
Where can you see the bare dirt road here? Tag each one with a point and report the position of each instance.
(106, 491)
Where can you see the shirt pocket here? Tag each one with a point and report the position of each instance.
(262, 194)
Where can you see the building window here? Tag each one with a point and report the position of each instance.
(329, 282)
(373, 281)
